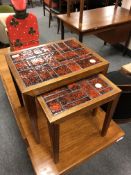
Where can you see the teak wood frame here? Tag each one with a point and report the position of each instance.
(111, 98)
(29, 94)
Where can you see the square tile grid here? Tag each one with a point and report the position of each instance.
(75, 93)
(50, 62)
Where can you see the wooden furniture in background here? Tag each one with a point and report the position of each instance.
(40, 154)
(126, 69)
(76, 99)
(54, 8)
(111, 24)
(43, 68)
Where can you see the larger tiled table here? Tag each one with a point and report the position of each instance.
(46, 67)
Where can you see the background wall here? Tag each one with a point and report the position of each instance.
(126, 4)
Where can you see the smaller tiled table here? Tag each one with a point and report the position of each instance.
(46, 67)
(75, 99)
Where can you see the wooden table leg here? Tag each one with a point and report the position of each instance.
(18, 91)
(81, 37)
(127, 43)
(30, 105)
(54, 137)
(94, 111)
(62, 30)
(109, 113)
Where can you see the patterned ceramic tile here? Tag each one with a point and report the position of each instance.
(76, 93)
(46, 62)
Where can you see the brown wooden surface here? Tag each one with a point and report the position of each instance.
(104, 22)
(30, 106)
(116, 35)
(80, 138)
(5, 51)
(68, 8)
(97, 19)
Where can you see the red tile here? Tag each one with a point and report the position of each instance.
(50, 71)
(83, 100)
(65, 62)
(31, 81)
(16, 58)
(68, 98)
(94, 81)
(44, 75)
(51, 48)
(38, 68)
(92, 93)
(37, 61)
(59, 58)
(73, 86)
(29, 77)
(28, 73)
(55, 53)
(62, 47)
(53, 63)
(62, 70)
(73, 66)
(90, 57)
(72, 44)
(56, 91)
(83, 63)
(22, 65)
(56, 95)
(54, 106)
(103, 91)
(70, 55)
(37, 51)
(46, 68)
(82, 52)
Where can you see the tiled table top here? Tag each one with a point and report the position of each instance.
(74, 94)
(47, 62)
(37, 65)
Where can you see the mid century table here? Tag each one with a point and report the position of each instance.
(75, 99)
(111, 24)
(47, 67)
